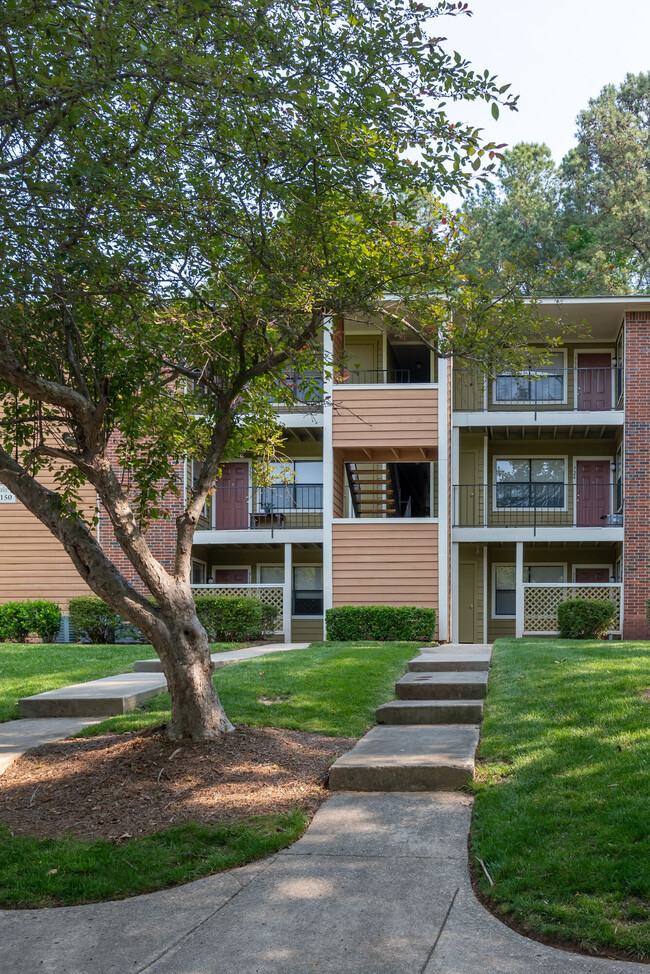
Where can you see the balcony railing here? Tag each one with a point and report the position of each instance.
(305, 392)
(572, 390)
(265, 508)
(373, 377)
(537, 505)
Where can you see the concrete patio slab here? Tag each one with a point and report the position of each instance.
(452, 661)
(442, 686)
(99, 698)
(18, 736)
(430, 712)
(408, 758)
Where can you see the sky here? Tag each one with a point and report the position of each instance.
(557, 54)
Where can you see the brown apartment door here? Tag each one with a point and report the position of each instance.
(594, 575)
(466, 603)
(231, 576)
(594, 380)
(231, 497)
(592, 492)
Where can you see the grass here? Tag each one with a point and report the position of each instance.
(563, 791)
(331, 688)
(29, 668)
(63, 872)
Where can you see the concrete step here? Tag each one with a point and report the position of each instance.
(442, 686)
(413, 758)
(100, 698)
(430, 712)
(454, 661)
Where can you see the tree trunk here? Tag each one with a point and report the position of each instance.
(182, 645)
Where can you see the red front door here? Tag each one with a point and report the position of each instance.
(231, 497)
(594, 380)
(592, 492)
(592, 575)
(230, 576)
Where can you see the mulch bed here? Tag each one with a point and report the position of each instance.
(127, 785)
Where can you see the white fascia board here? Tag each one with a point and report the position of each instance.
(546, 417)
(259, 536)
(567, 534)
(300, 419)
(385, 385)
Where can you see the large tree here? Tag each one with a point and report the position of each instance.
(189, 193)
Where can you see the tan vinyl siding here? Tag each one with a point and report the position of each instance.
(392, 417)
(338, 488)
(307, 630)
(33, 563)
(374, 563)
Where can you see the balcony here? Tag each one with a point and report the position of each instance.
(593, 509)
(365, 377)
(255, 508)
(537, 392)
(302, 392)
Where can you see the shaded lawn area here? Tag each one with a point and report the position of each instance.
(29, 668)
(331, 688)
(561, 818)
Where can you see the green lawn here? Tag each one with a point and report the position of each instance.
(562, 812)
(29, 668)
(331, 688)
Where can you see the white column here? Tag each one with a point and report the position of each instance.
(328, 465)
(286, 597)
(519, 582)
(444, 496)
(485, 594)
(453, 635)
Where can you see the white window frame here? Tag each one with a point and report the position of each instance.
(501, 510)
(530, 403)
(231, 568)
(510, 564)
(269, 564)
(204, 565)
(293, 461)
(594, 351)
(307, 564)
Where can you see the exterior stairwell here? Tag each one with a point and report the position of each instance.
(373, 491)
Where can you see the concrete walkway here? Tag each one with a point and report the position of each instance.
(57, 714)
(377, 885)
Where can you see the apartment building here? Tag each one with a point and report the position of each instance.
(414, 482)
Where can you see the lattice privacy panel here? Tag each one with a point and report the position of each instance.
(541, 602)
(269, 595)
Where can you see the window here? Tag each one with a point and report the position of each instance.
(303, 490)
(198, 572)
(541, 384)
(505, 591)
(529, 483)
(505, 585)
(620, 350)
(270, 574)
(619, 479)
(308, 590)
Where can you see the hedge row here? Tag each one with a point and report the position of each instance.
(19, 619)
(585, 618)
(403, 623)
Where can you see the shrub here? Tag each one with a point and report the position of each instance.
(94, 620)
(270, 619)
(381, 622)
(229, 618)
(585, 618)
(45, 619)
(15, 622)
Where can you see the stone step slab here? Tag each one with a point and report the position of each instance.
(430, 712)
(443, 685)
(455, 661)
(99, 698)
(408, 758)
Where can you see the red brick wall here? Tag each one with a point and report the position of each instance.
(160, 535)
(636, 547)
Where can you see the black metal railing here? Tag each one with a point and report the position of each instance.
(578, 389)
(537, 505)
(263, 508)
(307, 602)
(301, 392)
